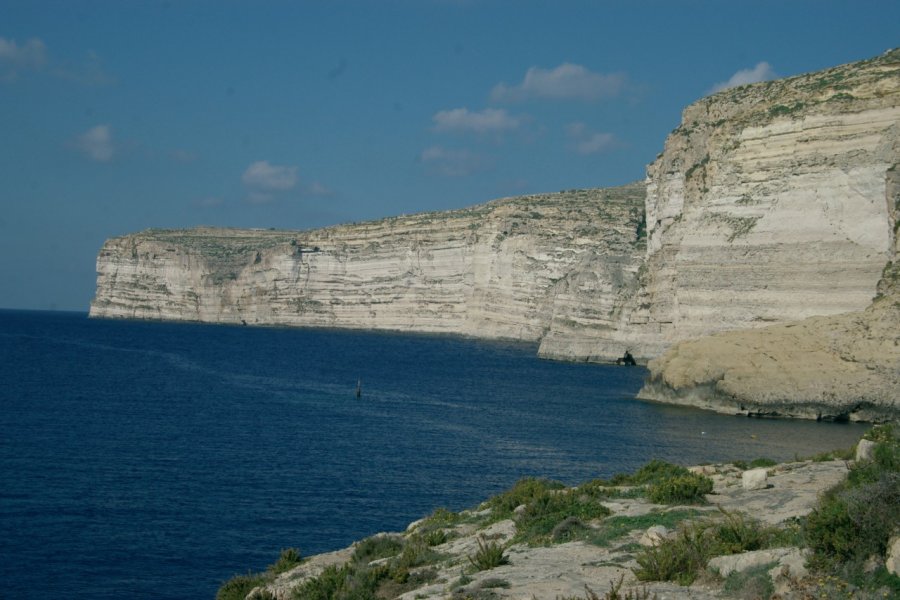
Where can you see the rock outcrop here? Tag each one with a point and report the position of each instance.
(566, 569)
(769, 204)
(512, 268)
(845, 366)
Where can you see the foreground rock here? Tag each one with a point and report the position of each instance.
(564, 570)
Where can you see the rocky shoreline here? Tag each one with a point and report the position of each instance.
(604, 540)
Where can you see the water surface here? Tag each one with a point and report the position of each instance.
(155, 460)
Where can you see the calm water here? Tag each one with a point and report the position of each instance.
(155, 460)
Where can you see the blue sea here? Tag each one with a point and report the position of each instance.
(156, 460)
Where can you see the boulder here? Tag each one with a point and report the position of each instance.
(864, 450)
(755, 479)
(654, 536)
(726, 565)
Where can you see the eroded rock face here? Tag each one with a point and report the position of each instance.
(514, 268)
(844, 366)
(771, 213)
(770, 204)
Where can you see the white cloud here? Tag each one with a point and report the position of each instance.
(96, 143)
(14, 58)
(761, 72)
(262, 177)
(585, 141)
(452, 163)
(566, 82)
(490, 120)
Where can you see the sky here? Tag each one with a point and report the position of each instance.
(122, 115)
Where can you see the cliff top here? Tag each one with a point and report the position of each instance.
(628, 198)
(863, 85)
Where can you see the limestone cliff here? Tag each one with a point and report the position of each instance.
(844, 366)
(771, 211)
(769, 205)
(505, 269)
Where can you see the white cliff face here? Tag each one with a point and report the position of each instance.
(491, 271)
(769, 205)
(836, 366)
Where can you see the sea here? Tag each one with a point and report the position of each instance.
(157, 460)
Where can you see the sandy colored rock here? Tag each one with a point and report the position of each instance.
(754, 479)
(505, 269)
(726, 565)
(892, 562)
(864, 450)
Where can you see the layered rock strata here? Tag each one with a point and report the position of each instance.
(506, 269)
(770, 212)
(844, 366)
(769, 204)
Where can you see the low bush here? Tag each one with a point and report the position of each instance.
(488, 556)
(287, 560)
(550, 508)
(737, 533)
(683, 557)
(523, 492)
(616, 527)
(653, 472)
(854, 520)
(690, 488)
(376, 547)
(758, 463)
(679, 559)
(239, 586)
(614, 593)
(751, 584)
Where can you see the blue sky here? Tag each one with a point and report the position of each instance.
(117, 116)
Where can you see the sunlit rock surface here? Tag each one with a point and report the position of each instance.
(746, 263)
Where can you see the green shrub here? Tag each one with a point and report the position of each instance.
(679, 559)
(852, 523)
(323, 587)
(376, 547)
(682, 558)
(681, 489)
(287, 560)
(488, 556)
(616, 527)
(550, 508)
(758, 463)
(435, 537)
(569, 529)
(239, 586)
(614, 593)
(854, 520)
(524, 491)
(737, 533)
(653, 472)
(750, 584)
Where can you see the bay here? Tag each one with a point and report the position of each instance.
(156, 460)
